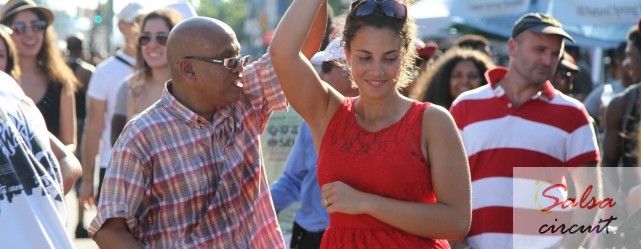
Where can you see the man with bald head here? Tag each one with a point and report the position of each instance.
(188, 172)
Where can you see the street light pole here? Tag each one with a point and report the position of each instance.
(109, 17)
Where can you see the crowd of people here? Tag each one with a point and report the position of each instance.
(404, 144)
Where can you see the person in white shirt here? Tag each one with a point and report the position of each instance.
(36, 170)
(103, 87)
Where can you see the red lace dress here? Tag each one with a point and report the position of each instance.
(389, 163)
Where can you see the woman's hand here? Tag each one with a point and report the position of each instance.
(340, 197)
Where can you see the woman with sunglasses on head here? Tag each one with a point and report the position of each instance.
(393, 172)
(45, 77)
(152, 70)
(8, 56)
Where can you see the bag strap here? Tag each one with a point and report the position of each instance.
(123, 61)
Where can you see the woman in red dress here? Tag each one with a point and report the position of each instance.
(393, 171)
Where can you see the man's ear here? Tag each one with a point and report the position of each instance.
(348, 55)
(512, 44)
(186, 69)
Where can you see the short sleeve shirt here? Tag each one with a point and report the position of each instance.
(181, 181)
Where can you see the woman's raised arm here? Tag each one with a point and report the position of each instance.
(309, 96)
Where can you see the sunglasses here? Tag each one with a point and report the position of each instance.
(229, 63)
(36, 27)
(146, 39)
(391, 8)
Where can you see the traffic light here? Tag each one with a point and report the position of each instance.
(97, 19)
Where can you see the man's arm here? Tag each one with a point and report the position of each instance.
(582, 156)
(612, 127)
(115, 234)
(120, 209)
(582, 177)
(93, 131)
(70, 167)
(612, 150)
(316, 34)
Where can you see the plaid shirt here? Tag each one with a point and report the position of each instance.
(181, 181)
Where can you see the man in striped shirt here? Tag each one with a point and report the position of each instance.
(188, 171)
(520, 120)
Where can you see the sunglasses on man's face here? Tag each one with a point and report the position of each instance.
(391, 8)
(230, 63)
(36, 27)
(145, 39)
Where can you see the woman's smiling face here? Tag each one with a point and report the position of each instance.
(375, 60)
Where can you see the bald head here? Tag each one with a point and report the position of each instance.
(197, 36)
(198, 82)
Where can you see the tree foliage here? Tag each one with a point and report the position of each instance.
(232, 12)
(338, 6)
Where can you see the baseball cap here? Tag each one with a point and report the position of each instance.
(427, 51)
(333, 52)
(567, 62)
(129, 13)
(539, 23)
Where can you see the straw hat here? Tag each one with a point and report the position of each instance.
(15, 6)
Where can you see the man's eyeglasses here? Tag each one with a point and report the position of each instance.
(229, 63)
(391, 8)
(36, 27)
(146, 39)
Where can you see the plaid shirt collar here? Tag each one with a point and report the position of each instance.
(179, 110)
(225, 117)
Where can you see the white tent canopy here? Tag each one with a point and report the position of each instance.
(432, 17)
(593, 23)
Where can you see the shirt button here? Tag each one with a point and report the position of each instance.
(509, 105)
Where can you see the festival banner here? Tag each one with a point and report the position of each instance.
(595, 12)
(492, 8)
(593, 207)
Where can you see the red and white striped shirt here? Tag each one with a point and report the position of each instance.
(549, 130)
(181, 181)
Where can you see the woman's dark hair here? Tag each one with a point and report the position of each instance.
(50, 60)
(405, 29)
(634, 36)
(327, 66)
(171, 18)
(434, 86)
(472, 41)
(12, 67)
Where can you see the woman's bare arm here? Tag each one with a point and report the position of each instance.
(309, 96)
